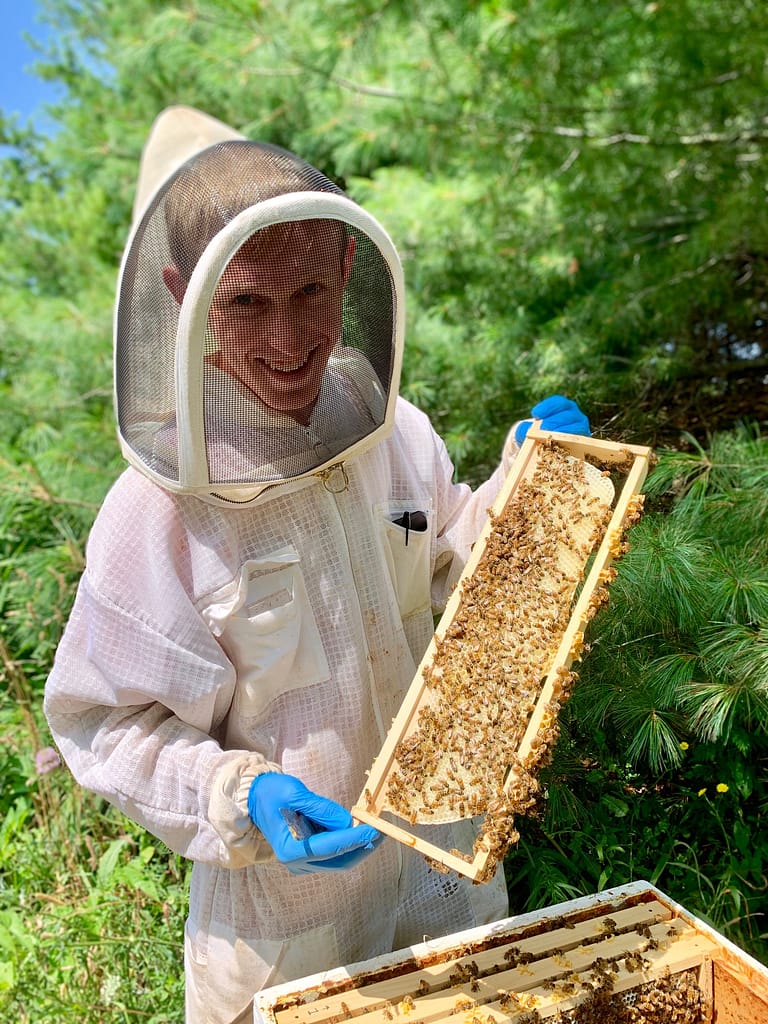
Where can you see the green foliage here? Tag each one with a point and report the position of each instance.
(57, 457)
(704, 850)
(696, 832)
(660, 769)
(572, 187)
(91, 913)
(681, 650)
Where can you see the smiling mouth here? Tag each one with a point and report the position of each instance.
(286, 368)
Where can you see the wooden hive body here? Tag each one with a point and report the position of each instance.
(629, 955)
(481, 714)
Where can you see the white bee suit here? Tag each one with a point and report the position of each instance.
(266, 616)
(168, 696)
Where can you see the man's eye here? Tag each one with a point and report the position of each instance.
(313, 288)
(243, 300)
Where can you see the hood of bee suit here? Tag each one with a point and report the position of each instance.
(259, 318)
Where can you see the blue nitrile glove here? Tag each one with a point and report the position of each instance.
(556, 413)
(335, 843)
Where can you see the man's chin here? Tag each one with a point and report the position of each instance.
(298, 404)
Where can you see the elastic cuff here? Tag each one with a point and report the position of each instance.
(228, 810)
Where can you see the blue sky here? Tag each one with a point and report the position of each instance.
(20, 90)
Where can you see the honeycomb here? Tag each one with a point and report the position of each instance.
(461, 757)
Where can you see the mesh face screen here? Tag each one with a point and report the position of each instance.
(147, 318)
(298, 352)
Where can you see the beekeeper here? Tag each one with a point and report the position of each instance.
(261, 580)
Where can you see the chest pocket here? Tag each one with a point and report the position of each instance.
(407, 541)
(264, 622)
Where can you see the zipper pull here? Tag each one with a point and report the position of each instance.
(332, 482)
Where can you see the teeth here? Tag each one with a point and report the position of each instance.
(283, 368)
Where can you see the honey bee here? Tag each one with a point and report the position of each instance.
(506, 999)
(633, 961)
(406, 1005)
(463, 1003)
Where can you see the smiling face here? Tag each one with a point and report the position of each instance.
(276, 314)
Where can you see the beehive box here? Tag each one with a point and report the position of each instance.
(480, 717)
(629, 955)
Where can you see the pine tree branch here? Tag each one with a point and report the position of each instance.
(633, 138)
(684, 275)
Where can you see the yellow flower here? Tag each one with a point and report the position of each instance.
(683, 745)
(722, 788)
(702, 791)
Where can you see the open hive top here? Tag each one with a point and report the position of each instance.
(629, 956)
(481, 716)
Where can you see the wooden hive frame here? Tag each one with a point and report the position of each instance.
(629, 946)
(620, 460)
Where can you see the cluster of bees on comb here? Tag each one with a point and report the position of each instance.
(673, 999)
(462, 757)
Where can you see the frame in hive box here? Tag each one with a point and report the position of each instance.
(480, 716)
(629, 955)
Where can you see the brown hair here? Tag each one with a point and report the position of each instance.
(220, 182)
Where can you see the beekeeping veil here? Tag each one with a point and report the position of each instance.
(259, 317)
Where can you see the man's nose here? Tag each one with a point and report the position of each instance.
(286, 333)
